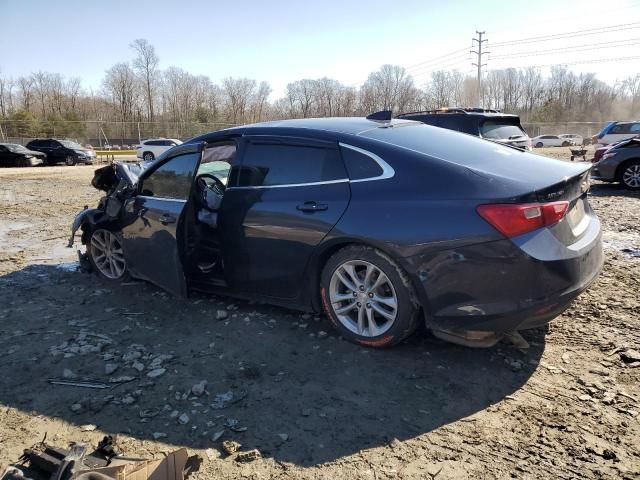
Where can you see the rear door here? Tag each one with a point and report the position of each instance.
(154, 240)
(282, 200)
(619, 132)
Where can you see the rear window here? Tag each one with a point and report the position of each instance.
(359, 165)
(496, 130)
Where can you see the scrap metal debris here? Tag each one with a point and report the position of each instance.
(105, 463)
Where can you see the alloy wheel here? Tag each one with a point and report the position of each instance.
(107, 254)
(70, 161)
(147, 157)
(631, 176)
(363, 298)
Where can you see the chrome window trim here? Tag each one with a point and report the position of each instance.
(328, 182)
(387, 170)
(162, 198)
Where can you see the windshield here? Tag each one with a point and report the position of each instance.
(498, 131)
(70, 144)
(14, 147)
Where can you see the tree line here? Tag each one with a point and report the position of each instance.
(173, 100)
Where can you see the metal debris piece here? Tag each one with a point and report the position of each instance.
(231, 446)
(78, 383)
(249, 456)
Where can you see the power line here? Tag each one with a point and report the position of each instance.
(431, 60)
(577, 33)
(572, 49)
(599, 60)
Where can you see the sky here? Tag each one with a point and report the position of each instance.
(280, 41)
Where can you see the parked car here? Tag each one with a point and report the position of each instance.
(15, 155)
(381, 225)
(152, 148)
(550, 141)
(65, 151)
(616, 132)
(572, 138)
(488, 124)
(620, 163)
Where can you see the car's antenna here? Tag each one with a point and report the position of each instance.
(381, 116)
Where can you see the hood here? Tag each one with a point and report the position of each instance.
(34, 153)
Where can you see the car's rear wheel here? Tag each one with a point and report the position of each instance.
(565, 144)
(630, 175)
(148, 156)
(69, 160)
(539, 145)
(367, 297)
(106, 255)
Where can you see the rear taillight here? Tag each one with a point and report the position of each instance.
(515, 219)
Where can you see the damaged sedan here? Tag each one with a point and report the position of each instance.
(381, 224)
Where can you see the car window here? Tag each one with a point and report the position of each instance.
(172, 179)
(2, 148)
(360, 166)
(620, 128)
(273, 165)
(216, 161)
(496, 130)
(635, 127)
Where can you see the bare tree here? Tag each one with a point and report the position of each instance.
(146, 65)
(120, 84)
(390, 87)
(631, 87)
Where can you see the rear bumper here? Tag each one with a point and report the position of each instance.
(497, 287)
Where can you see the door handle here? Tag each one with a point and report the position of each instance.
(166, 219)
(312, 207)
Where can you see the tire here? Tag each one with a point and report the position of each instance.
(565, 144)
(148, 156)
(387, 282)
(69, 161)
(629, 175)
(114, 267)
(539, 145)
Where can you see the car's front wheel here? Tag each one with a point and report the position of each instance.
(106, 255)
(630, 175)
(368, 297)
(148, 156)
(566, 144)
(70, 160)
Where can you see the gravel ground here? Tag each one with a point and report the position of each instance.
(285, 384)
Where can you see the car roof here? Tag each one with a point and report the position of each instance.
(348, 125)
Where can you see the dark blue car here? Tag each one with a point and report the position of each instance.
(382, 225)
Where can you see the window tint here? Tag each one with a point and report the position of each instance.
(268, 165)
(360, 165)
(172, 179)
(635, 127)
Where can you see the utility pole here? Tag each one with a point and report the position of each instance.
(479, 53)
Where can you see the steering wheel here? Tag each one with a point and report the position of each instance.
(205, 182)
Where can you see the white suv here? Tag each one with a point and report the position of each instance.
(150, 149)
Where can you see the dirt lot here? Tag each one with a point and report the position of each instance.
(284, 383)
